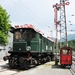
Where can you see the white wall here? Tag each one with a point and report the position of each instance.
(3, 52)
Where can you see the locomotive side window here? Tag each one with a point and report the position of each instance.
(44, 40)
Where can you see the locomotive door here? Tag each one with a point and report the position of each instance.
(66, 56)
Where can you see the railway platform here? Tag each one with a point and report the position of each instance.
(45, 69)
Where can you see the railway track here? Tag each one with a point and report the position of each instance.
(73, 65)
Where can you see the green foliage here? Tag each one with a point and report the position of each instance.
(4, 26)
(71, 43)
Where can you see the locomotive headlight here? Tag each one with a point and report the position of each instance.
(28, 48)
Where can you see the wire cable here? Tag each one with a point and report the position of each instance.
(33, 13)
(29, 14)
(25, 11)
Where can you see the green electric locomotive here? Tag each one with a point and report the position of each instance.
(30, 47)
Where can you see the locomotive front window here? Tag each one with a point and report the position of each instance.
(17, 35)
(33, 34)
(24, 34)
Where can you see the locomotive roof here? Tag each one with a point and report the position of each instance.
(28, 26)
(32, 27)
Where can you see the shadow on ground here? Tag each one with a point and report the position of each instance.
(56, 66)
(6, 67)
(60, 67)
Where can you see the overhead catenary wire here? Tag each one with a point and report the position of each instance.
(25, 11)
(29, 14)
(33, 13)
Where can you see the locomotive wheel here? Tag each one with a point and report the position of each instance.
(42, 61)
(11, 64)
(49, 58)
(53, 58)
(39, 61)
(24, 65)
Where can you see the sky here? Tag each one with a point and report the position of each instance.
(39, 13)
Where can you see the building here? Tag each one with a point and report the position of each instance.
(4, 50)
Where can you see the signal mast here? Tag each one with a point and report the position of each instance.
(61, 23)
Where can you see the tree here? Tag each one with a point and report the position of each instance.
(71, 43)
(4, 26)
